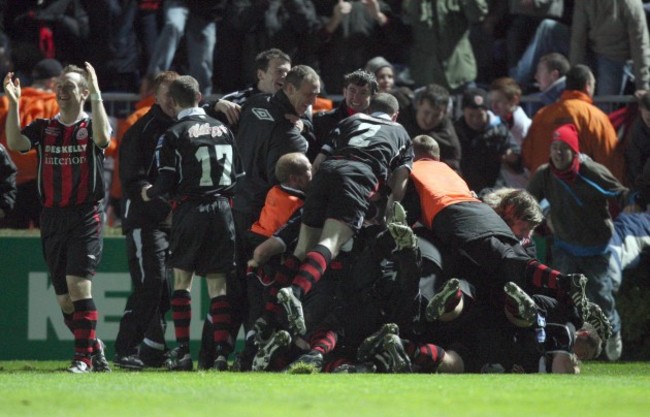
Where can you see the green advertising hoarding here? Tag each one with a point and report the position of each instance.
(31, 323)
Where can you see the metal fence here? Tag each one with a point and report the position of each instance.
(120, 105)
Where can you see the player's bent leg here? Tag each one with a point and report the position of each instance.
(520, 308)
(307, 239)
(576, 287)
(183, 279)
(398, 360)
(293, 308)
(277, 344)
(79, 288)
(446, 304)
(373, 344)
(65, 303)
(597, 318)
(335, 233)
(316, 261)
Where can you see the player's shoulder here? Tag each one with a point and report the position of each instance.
(240, 96)
(259, 108)
(377, 118)
(145, 118)
(258, 100)
(201, 125)
(385, 124)
(42, 122)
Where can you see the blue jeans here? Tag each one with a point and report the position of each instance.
(550, 36)
(600, 288)
(201, 38)
(610, 75)
(519, 35)
(147, 30)
(123, 39)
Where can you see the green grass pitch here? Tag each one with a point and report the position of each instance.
(32, 388)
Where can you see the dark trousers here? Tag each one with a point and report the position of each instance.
(147, 304)
(27, 211)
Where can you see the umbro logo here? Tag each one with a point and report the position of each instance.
(262, 114)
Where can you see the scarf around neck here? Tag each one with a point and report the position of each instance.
(569, 174)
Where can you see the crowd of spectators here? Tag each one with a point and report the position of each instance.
(455, 44)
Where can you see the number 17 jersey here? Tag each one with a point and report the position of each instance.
(199, 151)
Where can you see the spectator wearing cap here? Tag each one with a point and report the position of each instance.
(579, 191)
(595, 131)
(383, 71)
(36, 101)
(484, 140)
(385, 74)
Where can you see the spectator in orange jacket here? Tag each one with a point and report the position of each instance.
(597, 136)
(36, 101)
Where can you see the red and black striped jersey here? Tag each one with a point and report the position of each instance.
(70, 165)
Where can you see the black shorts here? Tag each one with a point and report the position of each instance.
(340, 190)
(72, 242)
(203, 237)
(460, 223)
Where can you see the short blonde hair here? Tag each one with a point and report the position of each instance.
(425, 146)
(289, 164)
(73, 69)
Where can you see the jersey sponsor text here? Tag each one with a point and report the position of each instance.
(203, 129)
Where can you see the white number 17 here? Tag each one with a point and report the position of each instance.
(222, 152)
